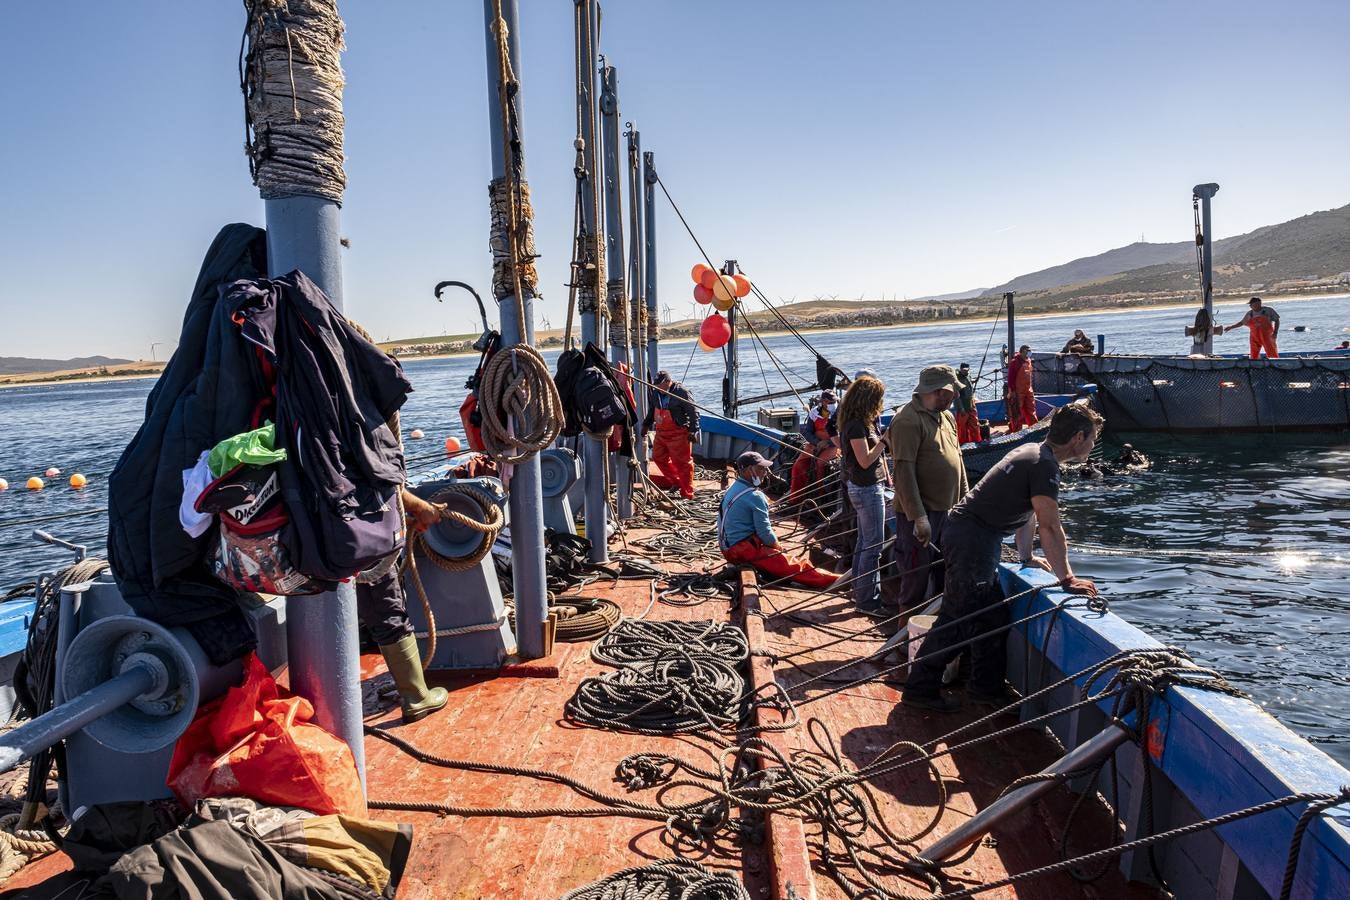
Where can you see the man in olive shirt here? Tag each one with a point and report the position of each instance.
(1018, 496)
(929, 478)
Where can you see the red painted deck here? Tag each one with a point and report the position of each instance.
(516, 719)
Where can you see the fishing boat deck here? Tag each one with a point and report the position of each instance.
(515, 718)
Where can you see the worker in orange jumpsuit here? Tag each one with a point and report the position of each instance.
(967, 416)
(810, 466)
(671, 410)
(746, 538)
(1021, 397)
(1264, 323)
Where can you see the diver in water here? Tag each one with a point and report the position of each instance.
(1131, 458)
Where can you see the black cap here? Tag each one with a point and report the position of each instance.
(964, 366)
(661, 376)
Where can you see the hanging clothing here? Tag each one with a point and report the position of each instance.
(195, 480)
(206, 393)
(335, 392)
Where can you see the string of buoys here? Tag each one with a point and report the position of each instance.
(77, 481)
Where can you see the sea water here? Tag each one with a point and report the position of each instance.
(1236, 548)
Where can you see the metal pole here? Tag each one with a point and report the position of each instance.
(616, 287)
(637, 287)
(649, 266)
(1012, 343)
(729, 385)
(57, 724)
(591, 292)
(983, 822)
(525, 488)
(322, 633)
(1206, 193)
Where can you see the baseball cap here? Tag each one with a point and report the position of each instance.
(750, 458)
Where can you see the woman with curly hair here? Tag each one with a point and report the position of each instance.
(862, 448)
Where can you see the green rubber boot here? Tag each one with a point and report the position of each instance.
(417, 699)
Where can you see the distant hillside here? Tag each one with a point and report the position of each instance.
(1087, 268)
(20, 365)
(1291, 255)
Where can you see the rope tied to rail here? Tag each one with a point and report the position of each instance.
(290, 71)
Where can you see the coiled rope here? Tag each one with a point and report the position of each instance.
(667, 879)
(634, 642)
(522, 410)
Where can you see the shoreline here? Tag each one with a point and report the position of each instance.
(834, 329)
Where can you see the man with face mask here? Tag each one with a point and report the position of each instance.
(1019, 496)
(821, 447)
(930, 477)
(745, 536)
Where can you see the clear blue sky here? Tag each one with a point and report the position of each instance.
(843, 148)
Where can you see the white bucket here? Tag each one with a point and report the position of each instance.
(917, 627)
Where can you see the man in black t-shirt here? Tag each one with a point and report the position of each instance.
(1018, 496)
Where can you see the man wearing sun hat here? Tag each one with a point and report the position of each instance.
(930, 477)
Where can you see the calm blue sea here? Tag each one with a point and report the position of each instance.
(1237, 548)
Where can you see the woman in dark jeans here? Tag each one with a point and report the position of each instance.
(862, 448)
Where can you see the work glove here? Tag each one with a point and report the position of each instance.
(923, 531)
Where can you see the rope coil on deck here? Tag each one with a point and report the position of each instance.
(676, 879)
(290, 71)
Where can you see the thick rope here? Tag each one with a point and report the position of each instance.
(291, 74)
(519, 389)
(667, 879)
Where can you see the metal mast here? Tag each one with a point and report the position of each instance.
(637, 329)
(1204, 193)
(615, 288)
(591, 277)
(729, 380)
(508, 188)
(302, 189)
(649, 266)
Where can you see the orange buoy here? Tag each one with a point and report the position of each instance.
(52, 472)
(417, 434)
(4, 485)
(714, 332)
(702, 294)
(78, 481)
(742, 285)
(35, 484)
(702, 346)
(724, 288)
(709, 278)
(697, 273)
(452, 444)
(724, 303)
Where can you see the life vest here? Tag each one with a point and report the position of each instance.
(469, 415)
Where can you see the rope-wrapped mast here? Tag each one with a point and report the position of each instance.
(616, 287)
(291, 76)
(589, 268)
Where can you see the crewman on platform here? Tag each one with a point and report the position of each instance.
(967, 416)
(1079, 344)
(930, 477)
(745, 536)
(675, 417)
(1021, 397)
(822, 445)
(1264, 323)
(1019, 496)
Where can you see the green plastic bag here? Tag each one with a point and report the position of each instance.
(252, 447)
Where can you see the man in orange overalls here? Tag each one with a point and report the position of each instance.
(1264, 323)
(1021, 397)
(675, 418)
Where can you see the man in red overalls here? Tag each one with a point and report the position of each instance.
(675, 418)
(809, 467)
(1021, 397)
(1265, 325)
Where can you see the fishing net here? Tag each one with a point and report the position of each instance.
(1206, 394)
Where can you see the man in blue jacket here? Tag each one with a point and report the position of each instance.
(745, 536)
